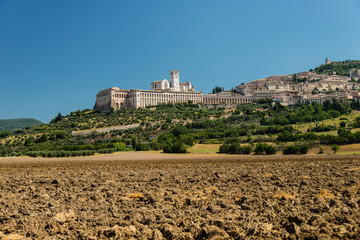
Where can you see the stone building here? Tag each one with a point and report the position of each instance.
(161, 92)
(226, 98)
(355, 73)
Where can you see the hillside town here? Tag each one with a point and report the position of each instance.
(288, 89)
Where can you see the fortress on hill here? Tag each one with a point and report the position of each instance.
(286, 89)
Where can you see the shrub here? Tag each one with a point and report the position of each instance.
(142, 147)
(259, 148)
(188, 140)
(270, 149)
(235, 148)
(247, 149)
(264, 148)
(291, 150)
(174, 147)
(106, 150)
(120, 146)
(303, 149)
(335, 148)
(42, 138)
(225, 148)
(154, 145)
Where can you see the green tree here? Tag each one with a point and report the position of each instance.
(217, 89)
(174, 147)
(291, 150)
(270, 149)
(58, 118)
(259, 148)
(224, 148)
(134, 142)
(335, 148)
(42, 138)
(304, 149)
(5, 134)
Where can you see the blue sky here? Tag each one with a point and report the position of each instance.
(56, 55)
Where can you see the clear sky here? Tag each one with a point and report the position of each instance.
(56, 55)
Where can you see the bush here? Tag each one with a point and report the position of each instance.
(51, 154)
(142, 147)
(174, 147)
(106, 150)
(304, 149)
(247, 149)
(225, 148)
(270, 149)
(259, 148)
(335, 148)
(342, 124)
(235, 148)
(5, 134)
(264, 148)
(293, 149)
(154, 145)
(188, 140)
(120, 146)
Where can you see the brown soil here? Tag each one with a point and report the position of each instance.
(165, 196)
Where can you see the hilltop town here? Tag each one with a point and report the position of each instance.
(311, 86)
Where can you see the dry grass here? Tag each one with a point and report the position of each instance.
(204, 148)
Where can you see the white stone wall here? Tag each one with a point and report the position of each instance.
(225, 99)
(160, 85)
(144, 98)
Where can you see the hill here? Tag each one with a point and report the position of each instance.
(18, 124)
(341, 68)
(174, 127)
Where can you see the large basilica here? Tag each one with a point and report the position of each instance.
(164, 91)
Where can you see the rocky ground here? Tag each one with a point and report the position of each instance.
(181, 197)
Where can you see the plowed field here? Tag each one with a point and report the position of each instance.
(164, 196)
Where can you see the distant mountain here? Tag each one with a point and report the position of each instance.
(19, 123)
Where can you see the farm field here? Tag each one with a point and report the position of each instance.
(151, 195)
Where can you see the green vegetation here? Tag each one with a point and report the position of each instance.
(256, 128)
(293, 149)
(18, 124)
(335, 148)
(217, 89)
(297, 80)
(341, 68)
